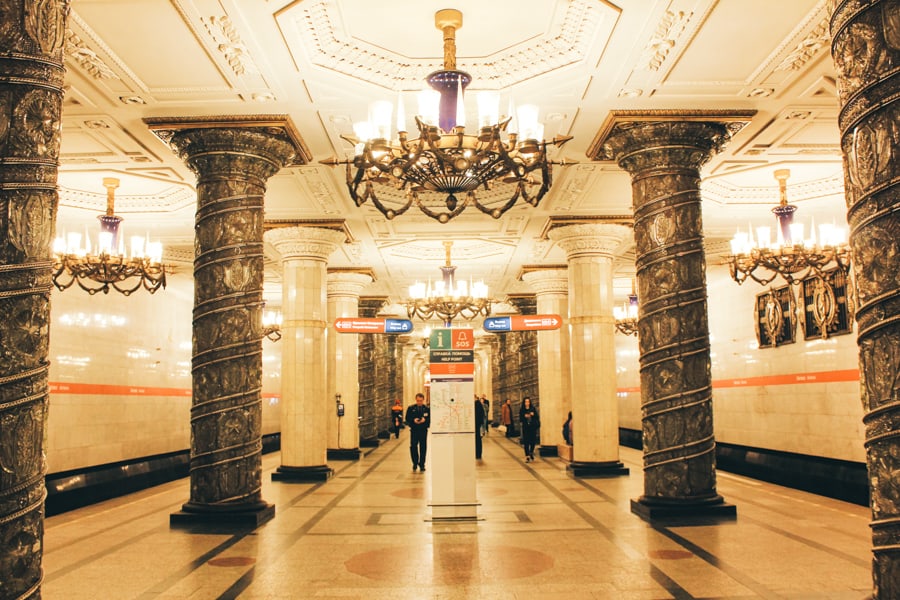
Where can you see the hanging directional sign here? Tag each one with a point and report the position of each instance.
(367, 325)
(522, 323)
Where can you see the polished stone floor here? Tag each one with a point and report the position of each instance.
(540, 535)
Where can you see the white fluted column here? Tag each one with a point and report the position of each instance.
(589, 249)
(551, 288)
(304, 398)
(342, 375)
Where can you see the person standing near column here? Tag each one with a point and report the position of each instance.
(397, 416)
(479, 427)
(418, 418)
(506, 417)
(528, 417)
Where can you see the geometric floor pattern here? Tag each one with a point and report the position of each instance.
(540, 534)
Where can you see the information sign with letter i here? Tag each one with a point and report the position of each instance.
(452, 367)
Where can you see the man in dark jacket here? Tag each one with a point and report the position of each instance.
(418, 418)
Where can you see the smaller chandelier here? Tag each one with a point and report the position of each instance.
(790, 255)
(110, 266)
(627, 315)
(443, 159)
(448, 298)
(271, 325)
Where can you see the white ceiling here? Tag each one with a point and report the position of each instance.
(322, 61)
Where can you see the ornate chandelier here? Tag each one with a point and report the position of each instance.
(444, 161)
(627, 315)
(271, 325)
(110, 266)
(790, 255)
(448, 298)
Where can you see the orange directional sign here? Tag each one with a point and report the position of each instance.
(366, 325)
(522, 323)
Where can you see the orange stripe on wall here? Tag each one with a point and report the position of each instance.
(99, 389)
(788, 379)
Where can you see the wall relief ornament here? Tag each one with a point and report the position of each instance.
(30, 224)
(36, 124)
(775, 317)
(890, 17)
(45, 23)
(870, 153)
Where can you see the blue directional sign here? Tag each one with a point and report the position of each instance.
(397, 325)
(497, 324)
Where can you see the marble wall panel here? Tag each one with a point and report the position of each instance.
(120, 376)
(754, 402)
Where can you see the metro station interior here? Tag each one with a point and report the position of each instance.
(615, 177)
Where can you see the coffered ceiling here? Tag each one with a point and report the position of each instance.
(321, 62)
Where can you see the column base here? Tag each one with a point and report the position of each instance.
(564, 452)
(302, 474)
(548, 451)
(596, 469)
(343, 454)
(711, 509)
(369, 443)
(249, 516)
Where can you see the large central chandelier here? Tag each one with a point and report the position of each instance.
(444, 160)
(110, 266)
(448, 298)
(789, 255)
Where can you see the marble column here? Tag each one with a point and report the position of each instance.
(232, 158)
(551, 287)
(305, 400)
(866, 52)
(663, 153)
(31, 93)
(589, 249)
(344, 288)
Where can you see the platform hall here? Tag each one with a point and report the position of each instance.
(234, 234)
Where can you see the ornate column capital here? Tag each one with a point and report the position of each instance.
(589, 239)
(347, 284)
(310, 243)
(547, 281)
(200, 141)
(639, 140)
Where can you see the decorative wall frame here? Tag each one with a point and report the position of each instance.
(826, 308)
(776, 321)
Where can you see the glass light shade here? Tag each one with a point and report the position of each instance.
(417, 290)
(529, 128)
(380, 119)
(488, 108)
(764, 237)
(429, 106)
(137, 246)
(797, 234)
(105, 242)
(363, 131)
(154, 252)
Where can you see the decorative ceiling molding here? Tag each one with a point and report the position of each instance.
(724, 192)
(169, 200)
(328, 46)
(670, 27)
